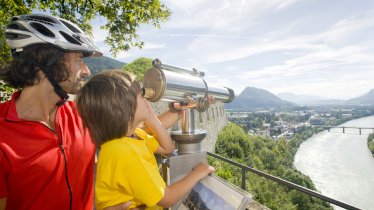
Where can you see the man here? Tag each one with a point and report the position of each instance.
(46, 154)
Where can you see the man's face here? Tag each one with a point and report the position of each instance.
(78, 72)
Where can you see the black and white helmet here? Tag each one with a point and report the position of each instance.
(27, 30)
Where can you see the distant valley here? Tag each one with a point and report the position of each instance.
(366, 99)
(255, 98)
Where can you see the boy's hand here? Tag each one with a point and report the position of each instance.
(122, 206)
(203, 169)
(211, 100)
(151, 114)
(125, 206)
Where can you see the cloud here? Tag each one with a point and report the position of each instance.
(225, 15)
(151, 46)
(281, 46)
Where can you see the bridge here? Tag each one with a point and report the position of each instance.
(344, 127)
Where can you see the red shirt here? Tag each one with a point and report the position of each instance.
(32, 161)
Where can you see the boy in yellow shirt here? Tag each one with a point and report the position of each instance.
(112, 108)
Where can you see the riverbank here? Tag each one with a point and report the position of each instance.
(340, 164)
(371, 143)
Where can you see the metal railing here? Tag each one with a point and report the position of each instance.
(302, 189)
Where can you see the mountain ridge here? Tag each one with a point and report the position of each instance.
(252, 97)
(366, 99)
(255, 98)
(98, 64)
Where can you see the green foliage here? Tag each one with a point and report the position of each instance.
(8, 10)
(5, 91)
(123, 18)
(139, 67)
(371, 143)
(273, 157)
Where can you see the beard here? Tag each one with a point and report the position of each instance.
(73, 85)
(77, 86)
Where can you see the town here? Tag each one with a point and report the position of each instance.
(284, 122)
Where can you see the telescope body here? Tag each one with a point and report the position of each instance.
(177, 85)
(186, 91)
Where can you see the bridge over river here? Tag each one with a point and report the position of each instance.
(343, 128)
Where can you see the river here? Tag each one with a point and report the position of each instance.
(340, 164)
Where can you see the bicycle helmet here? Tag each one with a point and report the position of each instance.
(26, 30)
(34, 29)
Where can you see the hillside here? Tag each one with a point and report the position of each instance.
(272, 157)
(100, 63)
(252, 97)
(367, 99)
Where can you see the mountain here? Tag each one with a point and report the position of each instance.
(367, 99)
(97, 64)
(252, 97)
(309, 99)
(299, 99)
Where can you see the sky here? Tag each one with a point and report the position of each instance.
(310, 47)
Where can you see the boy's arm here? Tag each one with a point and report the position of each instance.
(169, 118)
(166, 145)
(178, 190)
(2, 203)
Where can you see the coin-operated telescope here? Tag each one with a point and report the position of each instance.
(186, 91)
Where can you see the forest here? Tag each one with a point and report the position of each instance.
(273, 157)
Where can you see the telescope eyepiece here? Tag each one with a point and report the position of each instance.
(147, 92)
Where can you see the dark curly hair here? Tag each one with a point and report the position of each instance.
(19, 73)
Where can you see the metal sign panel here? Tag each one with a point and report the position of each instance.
(215, 193)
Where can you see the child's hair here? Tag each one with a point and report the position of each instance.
(107, 104)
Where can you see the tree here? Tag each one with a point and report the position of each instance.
(123, 18)
(139, 67)
(273, 157)
(371, 143)
(5, 91)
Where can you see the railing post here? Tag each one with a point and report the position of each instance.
(243, 178)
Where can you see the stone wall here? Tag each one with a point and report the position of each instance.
(212, 120)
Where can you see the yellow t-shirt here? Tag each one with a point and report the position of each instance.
(127, 171)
